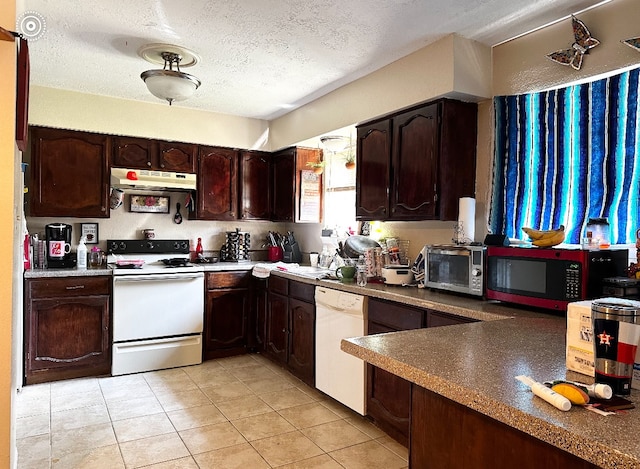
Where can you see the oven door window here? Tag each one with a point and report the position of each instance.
(449, 269)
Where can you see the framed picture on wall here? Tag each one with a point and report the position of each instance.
(149, 204)
(90, 232)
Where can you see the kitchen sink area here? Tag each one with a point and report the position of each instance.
(313, 272)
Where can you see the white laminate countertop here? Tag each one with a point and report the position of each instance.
(52, 273)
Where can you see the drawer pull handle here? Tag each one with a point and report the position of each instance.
(75, 287)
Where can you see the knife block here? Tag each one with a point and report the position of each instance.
(292, 253)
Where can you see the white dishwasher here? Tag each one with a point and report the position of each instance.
(342, 376)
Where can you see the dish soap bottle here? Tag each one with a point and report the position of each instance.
(81, 254)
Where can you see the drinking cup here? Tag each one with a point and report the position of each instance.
(616, 331)
(117, 198)
(58, 249)
(313, 259)
(346, 273)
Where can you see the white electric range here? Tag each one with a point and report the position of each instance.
(158, 305)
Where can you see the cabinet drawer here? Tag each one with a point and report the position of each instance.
(68, 286)
(302, 291)
(278, 285)
(395, 315)
(233, 279)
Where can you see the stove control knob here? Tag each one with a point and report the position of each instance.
(122, 246)
(150, 245)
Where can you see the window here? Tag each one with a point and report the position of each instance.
(340, 193)
(564, 156)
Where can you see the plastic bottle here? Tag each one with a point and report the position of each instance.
(599, 390)
(81, 254)
(361, 274)
(199, 248)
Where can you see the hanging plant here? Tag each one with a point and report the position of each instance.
(350, 161)
(317, 166)
(350, 156)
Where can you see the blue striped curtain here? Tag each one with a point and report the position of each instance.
(567, 155)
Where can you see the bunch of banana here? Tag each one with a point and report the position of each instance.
(545, 238)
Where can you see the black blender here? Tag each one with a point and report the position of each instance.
(59, 246)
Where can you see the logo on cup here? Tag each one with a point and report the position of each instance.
(58, 248)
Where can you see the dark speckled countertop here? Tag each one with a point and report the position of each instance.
(475, 365)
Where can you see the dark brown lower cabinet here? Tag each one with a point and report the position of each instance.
(67, 328)
(277, 342)
(226, 319)
(388, 395)
(258, 316)
(291, 327)
(302, 318)
(448, 435)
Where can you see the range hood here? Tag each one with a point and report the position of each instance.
(147, 179)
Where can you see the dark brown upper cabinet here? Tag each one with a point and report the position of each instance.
(373, 170)
(287, 202)
(416, 164)
(217, 194)
(143, 153)
(254, 187)
(69, 173)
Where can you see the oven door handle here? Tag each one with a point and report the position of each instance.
(160, 277)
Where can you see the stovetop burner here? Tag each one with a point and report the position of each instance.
(175, 262)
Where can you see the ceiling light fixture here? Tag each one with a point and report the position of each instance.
(169, 84)
(334, 143)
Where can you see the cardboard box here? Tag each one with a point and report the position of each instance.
(579, 356)
(579, 352)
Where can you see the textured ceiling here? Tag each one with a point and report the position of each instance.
(259, 58)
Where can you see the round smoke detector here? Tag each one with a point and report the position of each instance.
(31, 25)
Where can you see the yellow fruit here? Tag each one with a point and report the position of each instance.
(534, 234)
(545, 238)
(573, 393)
(548, 241)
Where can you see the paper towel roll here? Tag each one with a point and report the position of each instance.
(467, 219)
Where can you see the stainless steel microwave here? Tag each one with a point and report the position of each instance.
(454, 268)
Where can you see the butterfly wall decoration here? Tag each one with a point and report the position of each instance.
(633, 42)
(583, 42)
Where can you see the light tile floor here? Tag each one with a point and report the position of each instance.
(239, 412)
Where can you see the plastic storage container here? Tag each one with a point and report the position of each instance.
(597, 234)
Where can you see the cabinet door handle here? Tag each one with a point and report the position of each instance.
(75, 287)
(148, 163)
